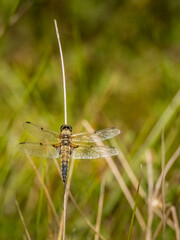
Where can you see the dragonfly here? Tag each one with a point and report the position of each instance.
(65, 145)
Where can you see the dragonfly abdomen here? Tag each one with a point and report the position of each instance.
(65, 158)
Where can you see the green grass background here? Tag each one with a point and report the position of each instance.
(122, 63)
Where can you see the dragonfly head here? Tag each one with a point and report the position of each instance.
(66, 127)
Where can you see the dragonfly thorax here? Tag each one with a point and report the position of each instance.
(66, 131)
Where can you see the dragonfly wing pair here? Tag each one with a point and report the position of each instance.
(40, 132)
(39, 149)
(92, 152)
(96, 136)
(51, 146)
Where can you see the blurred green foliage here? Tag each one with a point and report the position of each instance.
(122, 61)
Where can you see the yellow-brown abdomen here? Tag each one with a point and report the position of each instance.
(65, 158)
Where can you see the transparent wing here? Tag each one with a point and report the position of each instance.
(39, 149)
(92, 152)
(99, 135)
(40, 132)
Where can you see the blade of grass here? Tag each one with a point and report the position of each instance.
(176, 224)
(27, 93)
(12, 10)
(120, 181)
(158, 229)
(163, 185)
(22, 219)
(44, 188)
(166, 169)
(127, 169)
(72, 198)
(66, 191)
(64, 213)
(60, 228)
(84, 217)
(134, 211)
(39, 211)
(63, 71)
(150, 194)
(49, 212)
(100, 208)
(65, 121)
(21, 11)
(159, 214)
(156, 130)
(130, 173)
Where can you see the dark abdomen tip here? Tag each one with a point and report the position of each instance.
(64, 170)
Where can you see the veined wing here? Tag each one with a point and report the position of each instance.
(92, 152)
(40, 132)
(39, 149)
(99, 135)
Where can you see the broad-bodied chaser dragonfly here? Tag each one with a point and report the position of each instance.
(67, 145)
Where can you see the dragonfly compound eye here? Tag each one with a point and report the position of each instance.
(66, 126)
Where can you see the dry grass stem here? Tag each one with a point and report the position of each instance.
(14, 18)
(50, 229)
(176, 224)
(100, 208)
(44, 188)
(163, 185)
(64, 214)
(126, 191)
(166, 169)
(130, 174)
(84, 217)
(150, 194)
(66, 194)
(158, 229)
(66, 191)
(72, 198)
(163, 120)
(63, 71)
(60, 227)
(169, 222)
(159, 213)
(120, 181)
(22, 219)
(22, 10)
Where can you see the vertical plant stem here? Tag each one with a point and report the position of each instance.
(73, 200)
(60, 228)
(166, 169)
(176, 224)
(155, 235)
(66, 192)
(130, 173)
(65, 120)
(22, 219)
(120, 181)
(83, 216)
(100, 207)
(63, 71)
(150, 194)
(163, 185)
(39, 211)
(134, 210)
(44, 188)
(64, 214)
